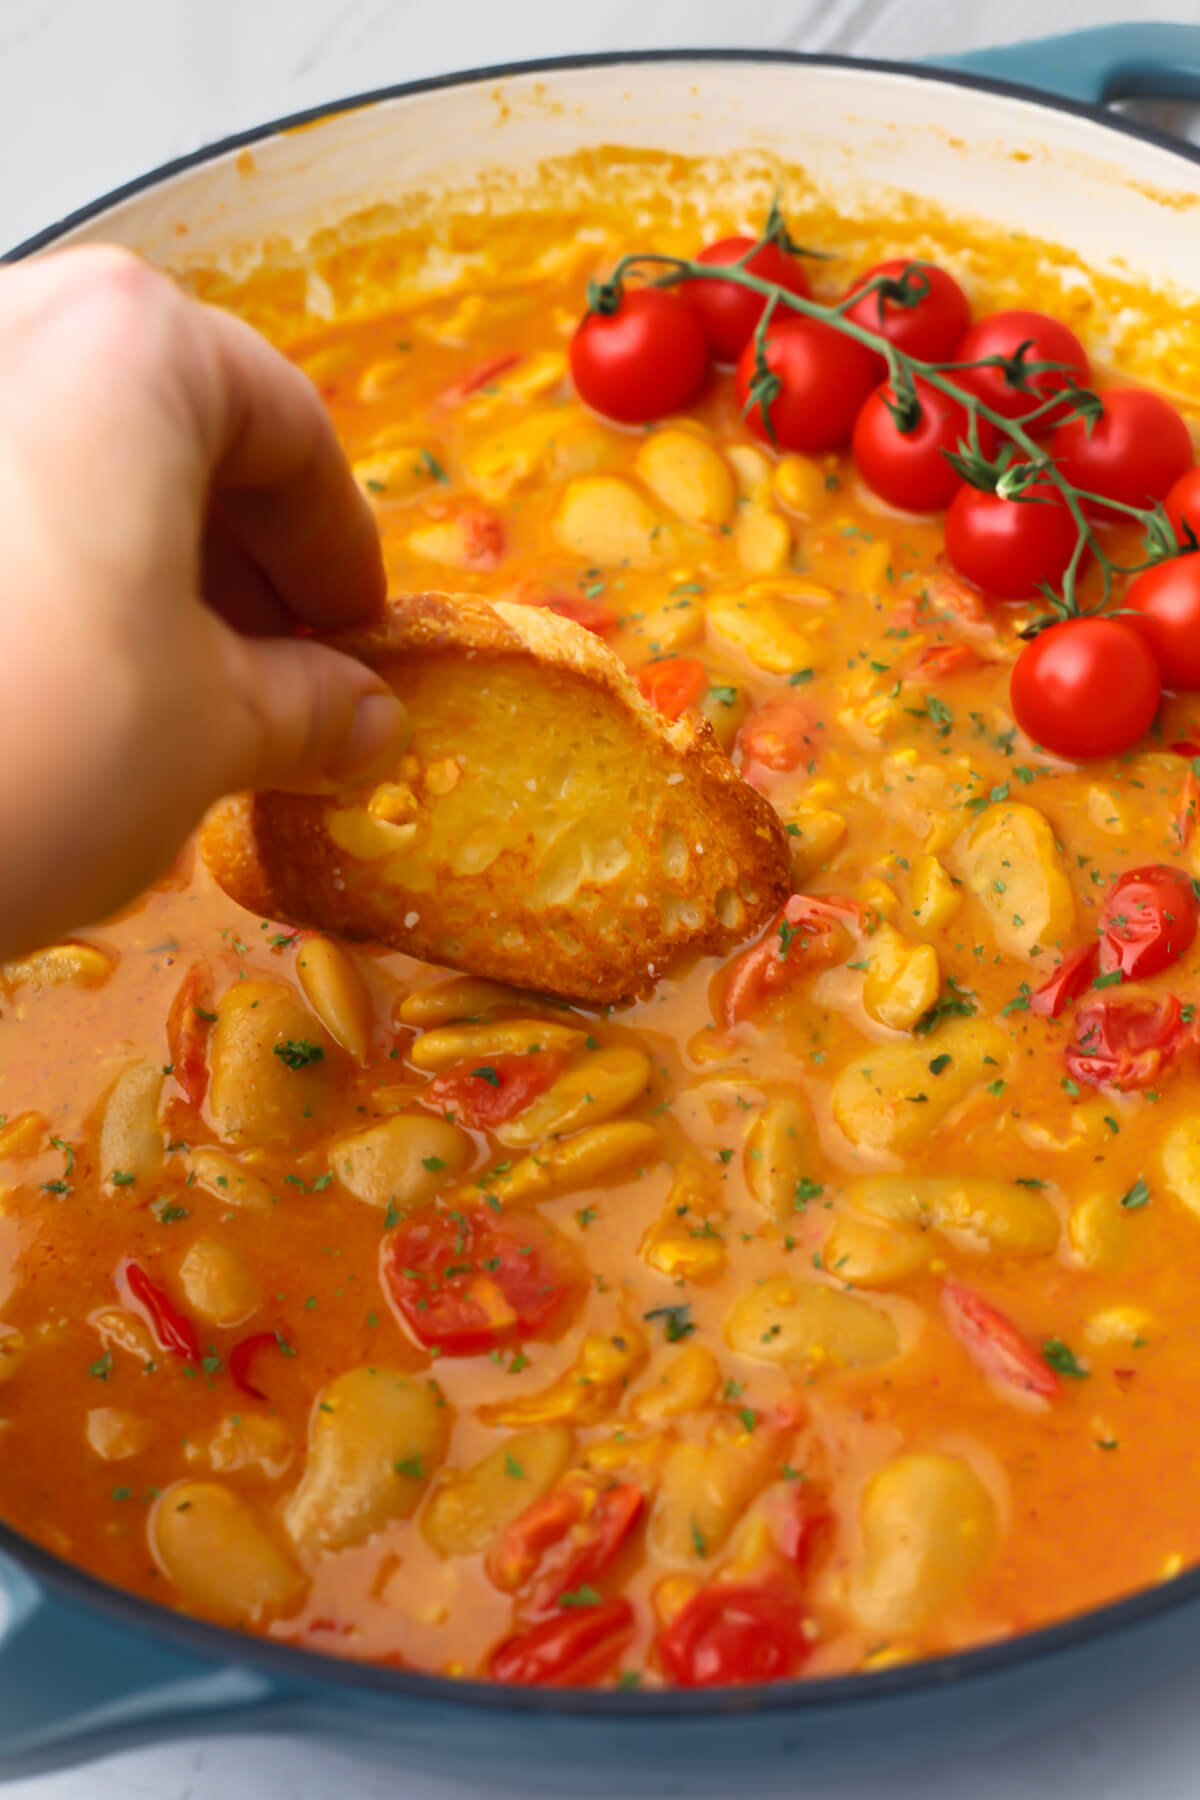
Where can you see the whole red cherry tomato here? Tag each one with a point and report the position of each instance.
(1009, 547)
(1002, 334)
(1134, 452)
(729, 313)
(1149, 921)
(646, 359)
(1165, 601)
(824, 378)
(1086, 687)
(729, 1633)
(1183, 507)
(909, 468)
(931, 330)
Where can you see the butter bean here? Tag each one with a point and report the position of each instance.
(212, 1545)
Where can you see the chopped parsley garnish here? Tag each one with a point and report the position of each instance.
(298, 1053)
(1063, 1360)
(677, 1321)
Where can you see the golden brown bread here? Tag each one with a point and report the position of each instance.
(546, 827)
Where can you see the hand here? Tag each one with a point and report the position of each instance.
(173, 503)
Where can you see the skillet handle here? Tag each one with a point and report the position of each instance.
(1109, 62)
(77, 1683)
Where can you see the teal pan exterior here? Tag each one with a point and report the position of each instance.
(86, 1670)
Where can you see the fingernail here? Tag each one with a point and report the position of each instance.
(376, 739)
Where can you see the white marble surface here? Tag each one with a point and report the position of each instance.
(93, 92)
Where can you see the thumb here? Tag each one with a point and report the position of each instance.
(304, 717)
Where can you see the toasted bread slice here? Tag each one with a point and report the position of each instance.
(546, 826)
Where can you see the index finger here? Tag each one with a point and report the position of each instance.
(283, 480)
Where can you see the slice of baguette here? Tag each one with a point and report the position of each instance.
(546, 826)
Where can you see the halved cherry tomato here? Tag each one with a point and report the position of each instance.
(823, 379)
(1134, 452)
(1009, 547)
(1149, 921)
(910, 468)
(482, 535)
(673, 684)
(477, 378)
(580, 610)
(484, 1095)
(780, 734)
(992, 1340)
(728, 313)
(566, 1540)
(1165, 606)
(1127, 1041)
(808, 935)
(1002, 334)
(1189, 805)
(172, 1329)
(573, 1650)
(470, 1280)
(241, 1357)
(729, 1634)
(646, 359)
(931, 330)
(189, 1023)
(1072, 977)
(1086, 687)
(943, 660)
(1183, 507)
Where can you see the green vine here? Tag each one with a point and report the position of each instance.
(1020, 466)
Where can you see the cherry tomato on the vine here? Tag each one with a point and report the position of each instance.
(729, 313)
(1165, 603)
(824, 378)
(1149, 921)
(931, 330)
(1086, 687)
(909, 468)
(1183, 507)
(1002, 334)
(642, 361)
(1010, 547)
(1134, 452)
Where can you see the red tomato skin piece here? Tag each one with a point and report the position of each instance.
(477, 378)
(1072, 977)
(932, 330)
(1149, 922)
(241, 1357)
(488, 1094)
(189, 1024)
(574, 1649)
(1086, 687)
(674, 684)
(943, 660)
(1135, 452)
(594, 1547)
(806, 936)
(172, 1329)
(483, 537)
(728, 313)
(992, 1340)
(1165, 603)
(909, 469)
(1001, 334)
(780, 734)
(825, 379)
(1127, 1042)
(646, 359)
(581, 611)
(727, 1635)
(1008, 547)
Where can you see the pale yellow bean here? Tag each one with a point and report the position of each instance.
(928, 1526)
(772, 633)
(778, 1153)
(687, 476)
(1100, 1230)
(812, 834)
(132, 1141)
(23, 1135)
(1181, 1162)
(1006, 1215)
(12, 1352)
(869, 1253)
(220, 1286)
(334, 988)
(586, 1391)
(213, 1547)
(605, 521)
(394, 474)
(214, 1171)
(466, 1512)
(594, 1085)
(902, 979)
(115, 1434)
(682, 1387)
(707, 1486)
(255, 1442)
(935, 895)
(254, 1095)
(400, 1162)
(1011, 864)
(572, 1163)
(762, 540)
(556, 445)
(461, 997)
(784, 1320)
(725, 707)
(83, 965)
(375, 1438)
(800, 485)
(875, 1098)
(455, 1043)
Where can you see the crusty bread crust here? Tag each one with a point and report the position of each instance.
(547, 827)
